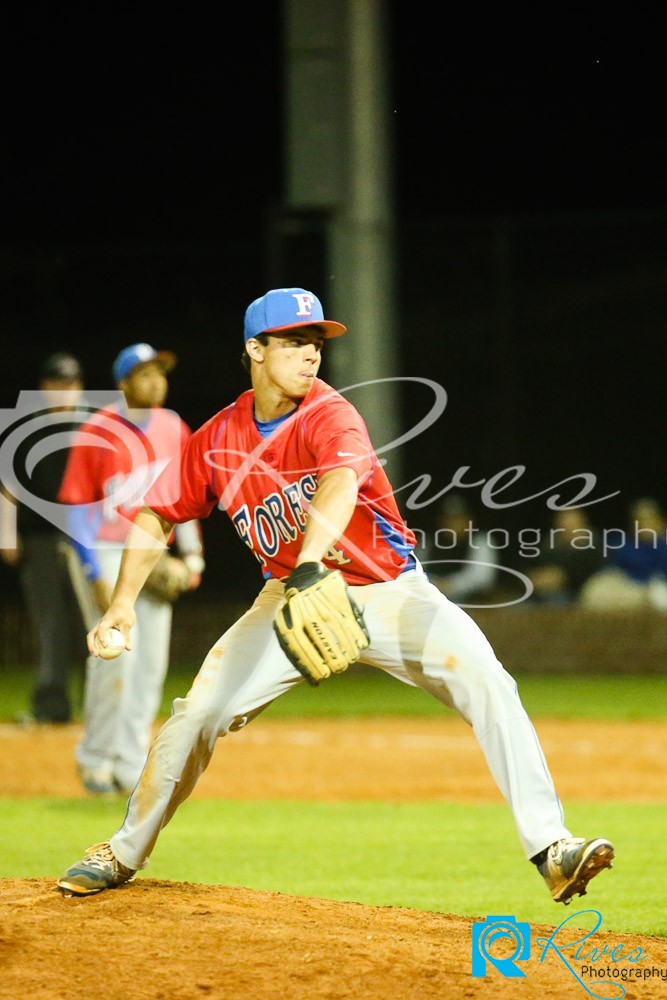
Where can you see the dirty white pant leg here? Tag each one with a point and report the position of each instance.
(122, 696)
(142, 687)
(101, 708)
(103, 690)
(422, 638)
(242, 674)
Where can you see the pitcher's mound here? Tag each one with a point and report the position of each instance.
(177, 940)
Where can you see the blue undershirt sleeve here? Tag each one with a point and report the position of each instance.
(83, 522)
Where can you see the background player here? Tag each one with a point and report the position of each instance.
(39, 553)
(291, 463)
(106, 482)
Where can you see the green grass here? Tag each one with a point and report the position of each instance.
(365, 693)
(441, 857)
(433, 856)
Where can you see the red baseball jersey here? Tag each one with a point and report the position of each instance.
(113, 462)
(265, 485)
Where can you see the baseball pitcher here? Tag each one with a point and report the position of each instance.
(291, 463)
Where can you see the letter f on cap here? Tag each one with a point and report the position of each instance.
(305, 302)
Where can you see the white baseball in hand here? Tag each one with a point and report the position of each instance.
(111, 645)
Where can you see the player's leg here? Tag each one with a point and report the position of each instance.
(442, 650)
(102, 701)
(142, 685)
(45, 595)
(95, 750)
(242, 674)
(424, 639)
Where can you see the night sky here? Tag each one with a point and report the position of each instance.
(134, 135)
(142, 126)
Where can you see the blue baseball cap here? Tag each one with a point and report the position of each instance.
(140, 354)
(284, 309)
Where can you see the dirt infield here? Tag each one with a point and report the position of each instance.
(183, 940)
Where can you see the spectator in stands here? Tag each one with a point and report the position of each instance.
(636, 573)
(458, 559)
(572, 554)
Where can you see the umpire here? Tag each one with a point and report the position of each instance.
(44, 580)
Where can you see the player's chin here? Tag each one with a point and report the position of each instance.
(302, 386)
(158, 399)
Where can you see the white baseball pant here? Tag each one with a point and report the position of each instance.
(122, 696)
(418, 636)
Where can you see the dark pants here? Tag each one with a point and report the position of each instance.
(59, 632)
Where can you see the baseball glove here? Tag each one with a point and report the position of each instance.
(168, 579)
(320, 628)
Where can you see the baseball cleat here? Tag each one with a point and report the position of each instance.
(571, 863)
(97, 780)
(98, 870)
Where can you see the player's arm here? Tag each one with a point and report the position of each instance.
(190, 547)
(329, 513)
(144, 545)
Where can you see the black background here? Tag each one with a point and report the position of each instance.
(143, 167)
(139, 125)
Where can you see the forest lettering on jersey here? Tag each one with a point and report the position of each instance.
(280, 518)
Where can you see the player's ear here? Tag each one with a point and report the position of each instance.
(255, 350)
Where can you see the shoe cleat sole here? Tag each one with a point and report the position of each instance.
(600, 859)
